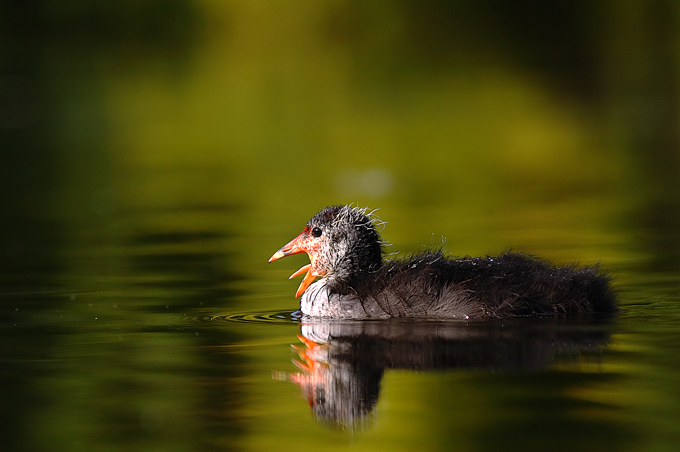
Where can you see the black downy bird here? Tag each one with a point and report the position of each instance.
(345, 250)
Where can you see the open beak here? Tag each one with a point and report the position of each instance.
(295, 247)
(290, 248)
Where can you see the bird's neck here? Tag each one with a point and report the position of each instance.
(352, 278)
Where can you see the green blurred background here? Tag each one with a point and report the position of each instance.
(451, 116)
(155, 154)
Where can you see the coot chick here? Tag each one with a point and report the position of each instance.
(345, 250)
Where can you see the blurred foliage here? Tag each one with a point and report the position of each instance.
(457, 102)
(545, 127)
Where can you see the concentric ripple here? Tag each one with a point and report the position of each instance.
(261, 317)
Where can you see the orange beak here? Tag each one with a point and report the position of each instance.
(296, 246)
(290, 248)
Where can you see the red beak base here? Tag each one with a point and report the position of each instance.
(296, 246)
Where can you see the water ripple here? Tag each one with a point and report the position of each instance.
(261, 317)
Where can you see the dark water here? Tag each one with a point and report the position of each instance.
(153, 155)
(163, 341)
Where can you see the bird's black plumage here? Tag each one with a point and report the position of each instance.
(358, 283)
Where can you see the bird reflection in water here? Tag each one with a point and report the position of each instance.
(342, 362)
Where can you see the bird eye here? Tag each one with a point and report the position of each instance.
(316, 232)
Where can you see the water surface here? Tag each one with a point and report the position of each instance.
(168, 343)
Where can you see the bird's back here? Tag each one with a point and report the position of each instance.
(510, 285)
